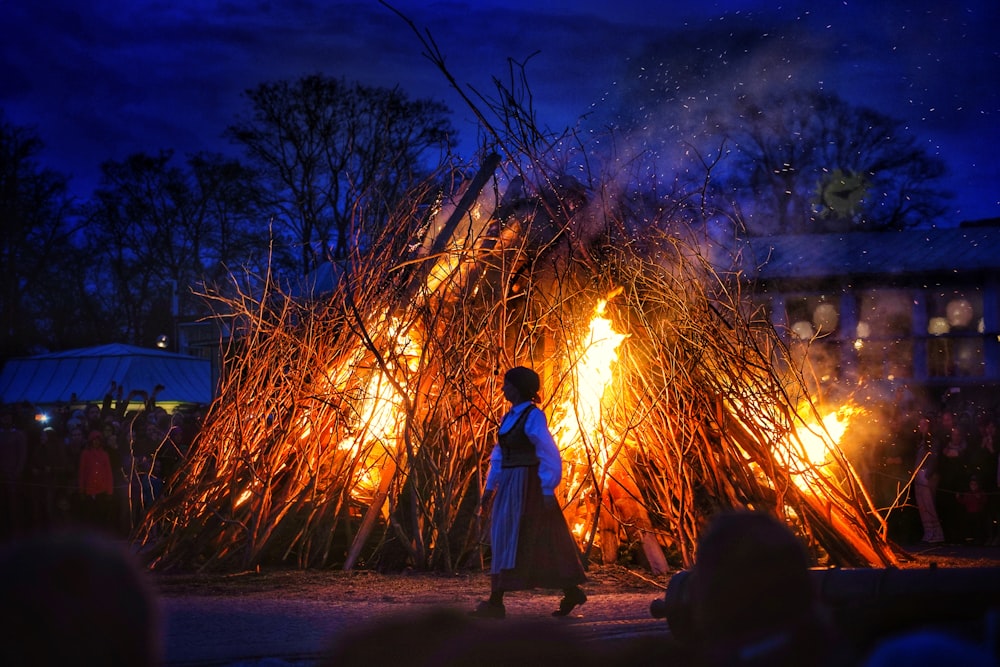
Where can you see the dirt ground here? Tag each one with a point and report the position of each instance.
(295, 615)
(437, 587)
(376, 588)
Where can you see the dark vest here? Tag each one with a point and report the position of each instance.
(518, 451)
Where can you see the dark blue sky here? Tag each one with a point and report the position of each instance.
(105, 78)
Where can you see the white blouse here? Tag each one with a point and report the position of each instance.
(536, 427)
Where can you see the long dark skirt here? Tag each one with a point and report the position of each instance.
(546, 555)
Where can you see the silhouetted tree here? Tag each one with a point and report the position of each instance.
(231, 224)
(784, 157)
(337, 157)
(807, 161)
(157, 231)
(36, 227)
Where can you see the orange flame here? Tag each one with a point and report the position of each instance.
(380, 414)
(809, 451)
(817, 439)
(579, 429)
(581, 425)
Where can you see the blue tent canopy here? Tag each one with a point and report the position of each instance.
(87, 373)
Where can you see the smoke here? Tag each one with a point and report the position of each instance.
(676, 105)
(681, 88)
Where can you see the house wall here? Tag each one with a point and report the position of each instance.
(933, 333)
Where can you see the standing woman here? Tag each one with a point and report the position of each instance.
(926, 481)
(531, 544)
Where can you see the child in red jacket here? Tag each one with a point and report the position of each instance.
(96, 482)
(973, 518)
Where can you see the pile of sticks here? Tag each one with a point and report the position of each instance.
(357, 424)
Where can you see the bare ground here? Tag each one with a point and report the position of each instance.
(361, 585)
(437, 587)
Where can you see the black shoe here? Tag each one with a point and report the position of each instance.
(570, 600)
(487, 609)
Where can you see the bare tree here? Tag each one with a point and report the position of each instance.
(784, 157)
(337, 157)
(157, 230)
(807, 161)
(36, 227)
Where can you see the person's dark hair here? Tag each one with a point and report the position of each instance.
(753, 601)
(525, 380)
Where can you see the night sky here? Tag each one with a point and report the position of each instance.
(102, 79)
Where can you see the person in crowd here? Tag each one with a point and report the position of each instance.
(39, 513)
(926, 479)
(973, 525)
(980, 457)
(76, 440)
(53, 476)
(94, 420)
(531, 544)
(76, 598)
(752, 600)
(13, 461)
(951, 463)
(990, 480)
(149, 436)
(96, 483)
(144, 469)
(173, 448)
(75, 421)
(117, 448)
(115, 404)
(984, 457)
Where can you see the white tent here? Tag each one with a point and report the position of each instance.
(87, 374)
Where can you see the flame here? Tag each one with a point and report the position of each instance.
(380, 414)
(809, 451)
(579, 430)
(818, 438)
(580, 425)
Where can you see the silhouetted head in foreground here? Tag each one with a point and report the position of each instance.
(752, 598)
(75, 599)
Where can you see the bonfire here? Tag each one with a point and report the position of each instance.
(353, 428)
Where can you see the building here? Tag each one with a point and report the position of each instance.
(916, 308)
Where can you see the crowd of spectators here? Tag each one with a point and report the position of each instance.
(88, 465)
(935, 474)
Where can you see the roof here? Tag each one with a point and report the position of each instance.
(88, 372)
(921, 251)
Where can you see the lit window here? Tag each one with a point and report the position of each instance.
(885, 333)
(814, 321)
(954, 322)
